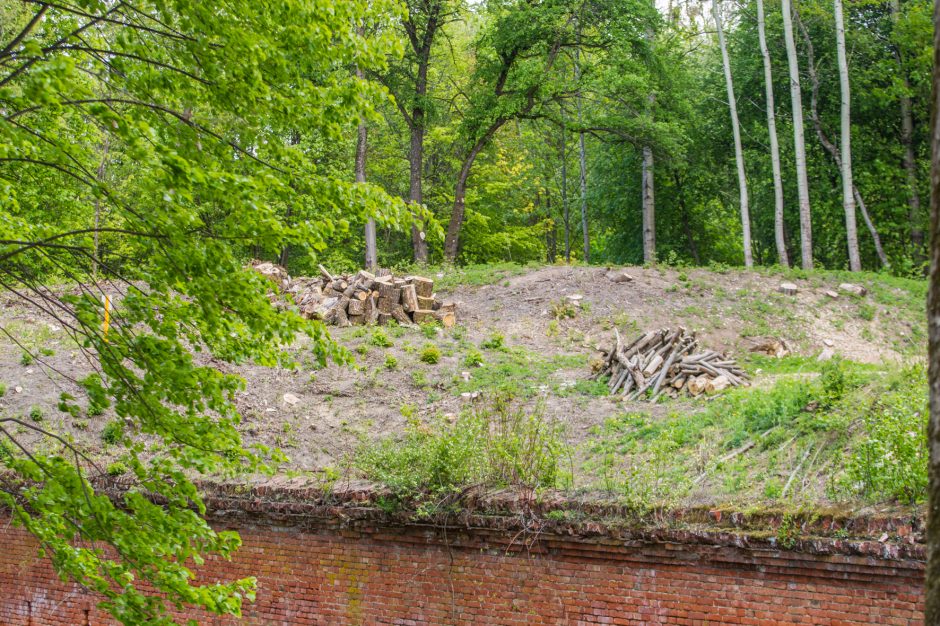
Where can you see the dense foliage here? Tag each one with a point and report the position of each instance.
(145, 149)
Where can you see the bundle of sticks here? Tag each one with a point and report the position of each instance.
(363, 297)
(665, 361)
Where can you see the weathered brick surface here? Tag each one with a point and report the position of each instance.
(337, 573)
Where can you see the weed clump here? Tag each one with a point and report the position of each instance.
(430, 354)
(498, 444)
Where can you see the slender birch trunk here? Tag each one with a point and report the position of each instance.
(848, 199)
(736, 131)
(649, 208)
(372, 254)
(799, 142)
(583, 163)
(833, 149)
(782, 256)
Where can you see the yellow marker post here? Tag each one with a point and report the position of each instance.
(107, 317)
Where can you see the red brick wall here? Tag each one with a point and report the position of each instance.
(415, 575)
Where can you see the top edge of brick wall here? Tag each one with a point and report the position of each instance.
(891, 534)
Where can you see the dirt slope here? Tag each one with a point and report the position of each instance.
(319, 417)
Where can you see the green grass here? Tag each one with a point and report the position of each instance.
(470, 275)
(518, 371)
(852, 433)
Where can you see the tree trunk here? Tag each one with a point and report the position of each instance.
(451, 240)
(736, 131)
(848, 198)
(833, 149)
(372, 254)
(551, 235)
(99, 176)
(582, 161)
(566, 212)
(910, 160)
(932, 577)
(649, 207)
(799, 142)
(419, 241)
(782, 256)
(283, 257)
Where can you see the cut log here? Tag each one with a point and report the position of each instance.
(421, 316)
(714, 385)
(409, 298)
(357, 320)
(788, 289)
(356, 307)
(399, 315)
(619, 277)
(425, 303)
(326, 274)
(387, 305)
(424, 287)
(697, 385)
(389, 292)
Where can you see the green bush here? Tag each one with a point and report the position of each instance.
(429, 329)
(112, 433)
(891, 460)
(497, 444)
(35, 414)
(26, 359)
(473, 358)
(390, 362)
(493, 342)
(380, 339)
(430, 354)
(117, 469)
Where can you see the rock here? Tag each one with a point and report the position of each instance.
(290, 399)
(719, 383)
(855, 290)
(619, 277)
(826, 354)
(832, 294)
(18, 389)
(465, 376)
(772, 346)
(788, 289)
(828, 343)
(574, 298)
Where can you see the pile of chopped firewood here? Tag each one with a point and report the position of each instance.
(666, 362)
(363, 297)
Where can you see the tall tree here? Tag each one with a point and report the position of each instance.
(372, 254)
(845, 116)
(514, 60)
(932, 577)
(736, 132)
(160, 82)
(907, 143)
(649, 207)
(799, 141)
(408, 81)
(831, 147)
(582, 153)
(779, 240)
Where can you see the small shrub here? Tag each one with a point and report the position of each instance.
(3, 390)
(380, 339)
(80, 424)
(362, 349)
(866, 311)
(430, 354)
(117, 469)
(430, 329)
(561, 309)
(473, 358)
(35, 414)
(496, 445)
(26, 359)
(493, 342)
(112, 433)
(390, 362)
(47, 351)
